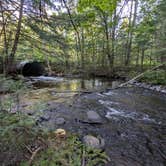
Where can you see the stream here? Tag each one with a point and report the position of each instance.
(131, 120)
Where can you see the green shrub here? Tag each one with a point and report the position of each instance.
(13, 89)
(11, 85)
(16, 131)
(69, 152)
(155, 77)
(19, 136)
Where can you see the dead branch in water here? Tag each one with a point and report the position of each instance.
(78, 91)
(140, 75)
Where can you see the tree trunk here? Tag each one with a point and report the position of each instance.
(5, 51)
(113, 38)
(16, 39)
(93, 61)
(130, 33)
(142, 58)
(137, 58)
(82, 49)
(108, 50)
(76, 30)
(103, 55)
(4, 33)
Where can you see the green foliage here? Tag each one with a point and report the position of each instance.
(16, 131)
(45, 35)
(155, 77)
(70, 152)
(49, 35)
(10, 85)
(18, 134)
(13, 89)
(39, 106)
(7, 103)
(161, 27)
(105, 5)
(11, 121)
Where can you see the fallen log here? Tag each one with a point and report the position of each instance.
(76, 91)
(140, 75)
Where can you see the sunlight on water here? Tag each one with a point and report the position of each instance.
(71, 84)
(42, 96)
(58, 89)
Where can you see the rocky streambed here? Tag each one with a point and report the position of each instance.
(158, 88)
(128, 123)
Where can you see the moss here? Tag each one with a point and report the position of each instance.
(19, 136)
(16, 130)
(69, 152)
(8, 84)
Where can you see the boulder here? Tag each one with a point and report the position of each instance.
(94, 117)
(93, 142)
(59, 121)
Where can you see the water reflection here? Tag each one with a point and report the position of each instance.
(54, 89)
(75, 84)
(82, 84)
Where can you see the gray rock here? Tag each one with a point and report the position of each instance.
(158, 88)
(44, 117)
(163, 90)
(30, 112)
(93, 142)
(60, 121)
(52, 104)
(94, 117)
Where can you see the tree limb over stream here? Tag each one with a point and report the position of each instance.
(140, 75)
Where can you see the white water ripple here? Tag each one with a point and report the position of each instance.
(115, 113)
(46, 78)
(109, 93)
(108, 102)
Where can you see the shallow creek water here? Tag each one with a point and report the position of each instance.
(133, 119)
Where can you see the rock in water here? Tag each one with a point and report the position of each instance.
(94, 117)
(93, 142)
(59, 121)
(43, 118)
(30, 112)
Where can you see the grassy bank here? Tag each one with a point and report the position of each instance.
(157, 77)
(23, 143)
